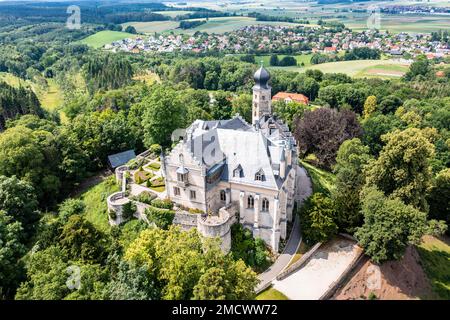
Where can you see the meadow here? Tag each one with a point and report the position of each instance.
(101, 38)
(385, 69)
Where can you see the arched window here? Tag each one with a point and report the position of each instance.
(250, 202)
(265, 204)
(223, 195)
(181, 158)
(259, 176)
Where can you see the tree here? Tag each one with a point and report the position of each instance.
(47, 275)
(317, 218)
(18, 199)
(351, 160)
(403, 168)
(130, 29)
(390, 226)
(82, 240)
(375, 127)
(322, 131)
(177, 260)
(211, 285)
(439, 195)
(419, 67)
(163, 114)
(221, 107)
(242, 104)
(273, 61)
(370, 106)
(288, 111)
(11, 251)
(132, 283)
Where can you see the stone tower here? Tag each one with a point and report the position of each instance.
(261, 95)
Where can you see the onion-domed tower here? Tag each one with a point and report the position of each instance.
(261, 95)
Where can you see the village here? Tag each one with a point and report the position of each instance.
(283, 39)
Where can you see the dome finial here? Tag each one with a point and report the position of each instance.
(261, 77)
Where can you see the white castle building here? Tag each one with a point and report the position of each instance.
(230, 163)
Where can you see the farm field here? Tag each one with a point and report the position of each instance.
(174, 13)
(337, 12)
(101, 38)
(213, 25)
(360, 68)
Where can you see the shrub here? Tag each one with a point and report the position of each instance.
(142, 176)
(195, 210)
(155, 165)
(128, 210)
(163, 218)
(159, 182)
(252, 251)
(155, 149)
(163, 204)
(145, 197)
(112, 214)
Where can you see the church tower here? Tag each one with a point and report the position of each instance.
(261, 95)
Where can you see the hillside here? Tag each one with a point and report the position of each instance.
(412, 277)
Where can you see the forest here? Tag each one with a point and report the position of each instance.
(386, 141)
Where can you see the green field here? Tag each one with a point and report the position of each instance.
(271, 294)
(341, 12)
(359, 68)
(435, 259)
(101, 38)
(213, 25)
(174, 13)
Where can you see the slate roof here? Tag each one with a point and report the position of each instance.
(121, 158)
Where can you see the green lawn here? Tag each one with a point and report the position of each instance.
(95, 200)
(101, 38)
(435, 259)
(323, 181)
(271, 294)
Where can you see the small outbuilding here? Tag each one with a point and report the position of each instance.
(119, 159)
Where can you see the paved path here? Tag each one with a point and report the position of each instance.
(303, 189)
(320, 272)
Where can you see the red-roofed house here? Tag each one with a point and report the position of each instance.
(288, 97)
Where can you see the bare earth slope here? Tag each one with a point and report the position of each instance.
(399, 280)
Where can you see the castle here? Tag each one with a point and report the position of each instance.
(225, 164)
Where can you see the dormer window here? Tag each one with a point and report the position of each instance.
(237, 172)
(182, 175)
(259, 176)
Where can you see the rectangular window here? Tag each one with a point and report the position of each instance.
(176, 191)
(193, 194)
